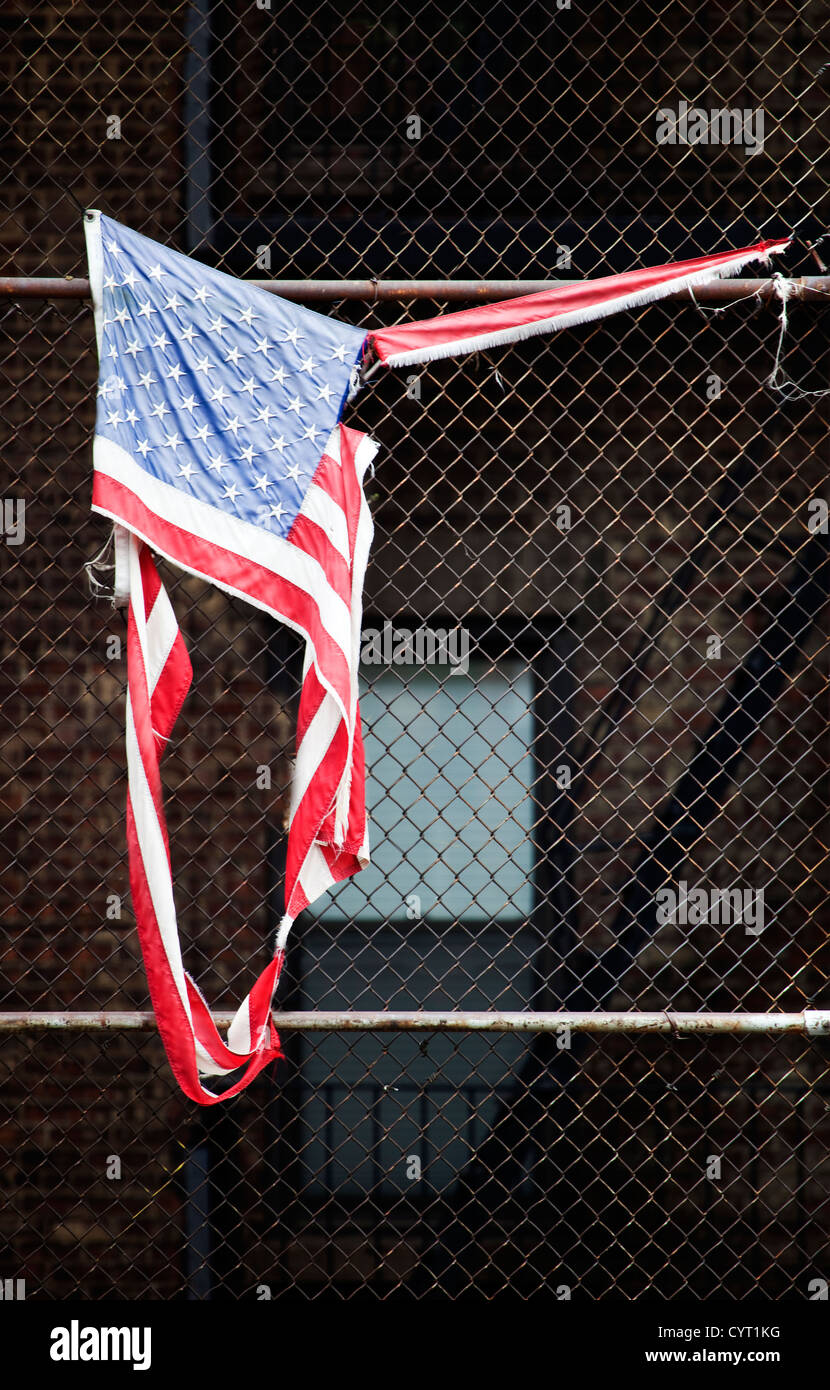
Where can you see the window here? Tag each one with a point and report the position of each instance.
(444, 918)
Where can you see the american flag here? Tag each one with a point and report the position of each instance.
(218, 445)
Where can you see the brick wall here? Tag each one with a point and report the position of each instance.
(613, 421)
(69, 1102)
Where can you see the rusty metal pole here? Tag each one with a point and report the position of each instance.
(804, 287)
(813, 1022)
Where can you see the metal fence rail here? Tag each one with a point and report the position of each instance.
(813, 1022)
(512, 1063)
(809, 288)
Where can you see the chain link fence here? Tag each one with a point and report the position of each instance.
(595, 681)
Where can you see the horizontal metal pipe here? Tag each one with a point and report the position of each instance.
(813, 1022)
(804, 287)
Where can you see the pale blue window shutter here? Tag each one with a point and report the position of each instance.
(449, 788)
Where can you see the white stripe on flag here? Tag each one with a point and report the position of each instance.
(157, 637)
(287, 562)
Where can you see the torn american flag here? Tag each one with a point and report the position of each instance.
(218, 443)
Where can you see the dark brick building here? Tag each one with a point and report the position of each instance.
(543, 497)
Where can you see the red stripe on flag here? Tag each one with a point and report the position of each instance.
(231, 571)
(509, 320)
(327, 836)
(178, 1032)
(313, 541)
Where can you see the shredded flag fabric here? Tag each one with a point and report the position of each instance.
(158, 679)
(510, 320)
(218, 444)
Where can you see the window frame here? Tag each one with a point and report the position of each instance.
(547, 644)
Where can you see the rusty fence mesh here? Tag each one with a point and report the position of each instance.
(622, 529)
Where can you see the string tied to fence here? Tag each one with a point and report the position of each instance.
(776, 380)
(97, 588)
(708, 312)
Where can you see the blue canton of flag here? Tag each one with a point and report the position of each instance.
(221, 390)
